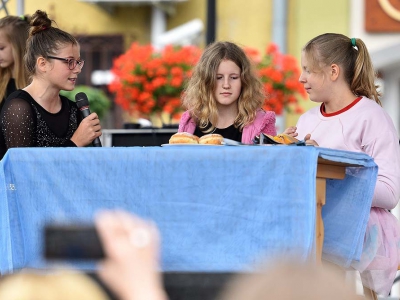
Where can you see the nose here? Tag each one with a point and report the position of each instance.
(226, 84)
(77, 70)
(302, 78)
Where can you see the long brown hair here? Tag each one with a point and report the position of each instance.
(350, 54)
(16, 31)
(198, 97)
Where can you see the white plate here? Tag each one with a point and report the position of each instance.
(165, 145)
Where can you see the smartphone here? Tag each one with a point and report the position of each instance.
(72, 242)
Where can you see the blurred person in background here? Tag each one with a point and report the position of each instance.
(132, 248)
(50, 285)
(132, 270)
(290, 280)
(13, 35)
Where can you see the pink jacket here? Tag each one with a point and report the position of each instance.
(264, 122)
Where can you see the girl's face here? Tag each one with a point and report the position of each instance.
(315, 83)
(6, 52)
(59, 73)
(228, 83)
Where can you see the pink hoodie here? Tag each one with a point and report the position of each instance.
(264, 122)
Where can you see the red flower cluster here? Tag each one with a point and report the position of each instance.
(280, 74)
(148, 82)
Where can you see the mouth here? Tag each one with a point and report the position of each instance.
(72, 79)
(225, 94)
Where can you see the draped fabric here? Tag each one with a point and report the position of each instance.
(219, 208)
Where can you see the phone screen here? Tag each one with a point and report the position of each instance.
(65, 242)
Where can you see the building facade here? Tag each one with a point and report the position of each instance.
(106, 28)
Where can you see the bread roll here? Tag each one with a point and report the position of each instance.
(211, 139)
(184, 138)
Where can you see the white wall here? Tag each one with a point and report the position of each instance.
(390, 67)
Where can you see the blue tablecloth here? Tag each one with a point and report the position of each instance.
(219, 208)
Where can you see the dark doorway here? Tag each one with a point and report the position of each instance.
(99, 51)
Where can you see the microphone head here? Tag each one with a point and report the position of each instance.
(81, 100)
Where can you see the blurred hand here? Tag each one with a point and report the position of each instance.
(309, 141)
(131, 246)
(88, 130)
(291, 131)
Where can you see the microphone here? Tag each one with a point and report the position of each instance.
(83, 104)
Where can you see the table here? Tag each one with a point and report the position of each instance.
(219, 208)
(326, 169)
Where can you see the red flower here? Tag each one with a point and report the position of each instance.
(271, 49)
(280, 74)
(253, 54)
(148, 82)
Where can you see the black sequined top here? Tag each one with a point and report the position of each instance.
(25, 123)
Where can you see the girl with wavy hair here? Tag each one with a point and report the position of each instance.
(225, 96)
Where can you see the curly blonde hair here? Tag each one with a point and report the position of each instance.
(198, 97)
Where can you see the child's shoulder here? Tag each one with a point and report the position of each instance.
(186, 123)
(262, 114)
(367, 102)
(185, 116)
(370, 108)
(264, 118)
(20, 94)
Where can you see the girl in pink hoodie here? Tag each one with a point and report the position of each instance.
(225, 96)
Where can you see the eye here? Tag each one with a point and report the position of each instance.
(234, 77)
(219, 77)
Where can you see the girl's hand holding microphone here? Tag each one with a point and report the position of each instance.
(88, 130)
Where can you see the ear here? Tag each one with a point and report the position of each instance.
(334, 72)
(41, 63)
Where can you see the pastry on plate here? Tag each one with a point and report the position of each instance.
(211, 139)
(184, 138)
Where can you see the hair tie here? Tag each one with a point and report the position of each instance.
(44, 27)
(22, 17)
(353, 42)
